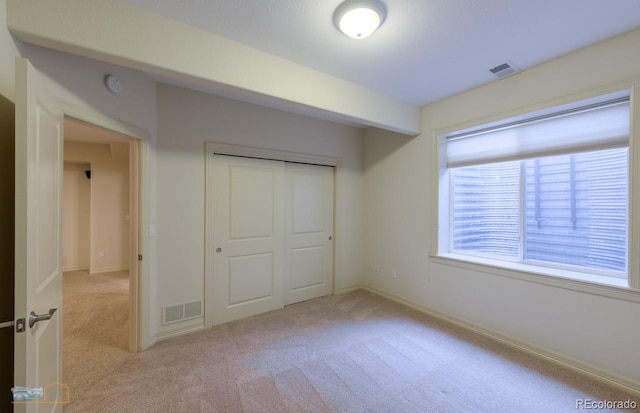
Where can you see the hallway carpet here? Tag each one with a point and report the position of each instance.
(356, 352)
(96, 323)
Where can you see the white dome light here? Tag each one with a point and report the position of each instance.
(359, 18)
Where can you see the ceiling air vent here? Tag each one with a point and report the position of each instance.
(504, 70)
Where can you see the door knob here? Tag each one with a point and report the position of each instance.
(34, 318)
(218, 249)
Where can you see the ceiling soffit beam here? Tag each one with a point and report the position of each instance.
(117, 32)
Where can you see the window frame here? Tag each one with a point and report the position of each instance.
(623, 288)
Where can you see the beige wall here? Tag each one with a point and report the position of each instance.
(594, 331)
(187, 120)
(76, 217)
(109, 205)
(79, 83)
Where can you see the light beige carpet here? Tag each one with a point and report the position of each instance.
(96, 323)
(356, 352)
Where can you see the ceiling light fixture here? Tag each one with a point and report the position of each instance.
(359, 18)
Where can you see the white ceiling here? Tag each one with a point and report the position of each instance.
(78, 131)
(426, 50)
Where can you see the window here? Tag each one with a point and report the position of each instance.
(548, 190)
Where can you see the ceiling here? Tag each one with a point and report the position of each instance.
(78, 131)
(426, 50)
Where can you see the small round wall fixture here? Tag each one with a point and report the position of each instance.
(359, 18)
(113, 83)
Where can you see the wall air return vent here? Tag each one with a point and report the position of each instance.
(181, 312)
(504, 70)
(193, 309)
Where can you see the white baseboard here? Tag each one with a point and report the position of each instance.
(152, 341)
(114, 268)
(75, 268)
(596, 373)
(348, 289)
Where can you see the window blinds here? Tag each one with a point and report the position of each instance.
(601, 125)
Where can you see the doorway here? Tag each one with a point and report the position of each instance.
(99, 251)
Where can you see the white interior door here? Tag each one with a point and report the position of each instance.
(38, 276)
(309, 232)
(248, 220)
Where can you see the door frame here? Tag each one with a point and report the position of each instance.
(139, 277)
(217, 148)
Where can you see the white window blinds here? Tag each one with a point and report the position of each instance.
(587, 127)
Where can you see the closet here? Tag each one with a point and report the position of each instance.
(272, 234)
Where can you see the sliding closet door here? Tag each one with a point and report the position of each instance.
(309, 232)
(248, 219)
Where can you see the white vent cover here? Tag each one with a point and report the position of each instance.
(180, 312)
(173, 314)
(193, 309)
(504, 70)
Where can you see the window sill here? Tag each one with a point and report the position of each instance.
(583, 282)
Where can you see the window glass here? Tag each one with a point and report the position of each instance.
(486, 205)
(574, 210)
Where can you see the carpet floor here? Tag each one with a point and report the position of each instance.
(356, 352)
(96, 328)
